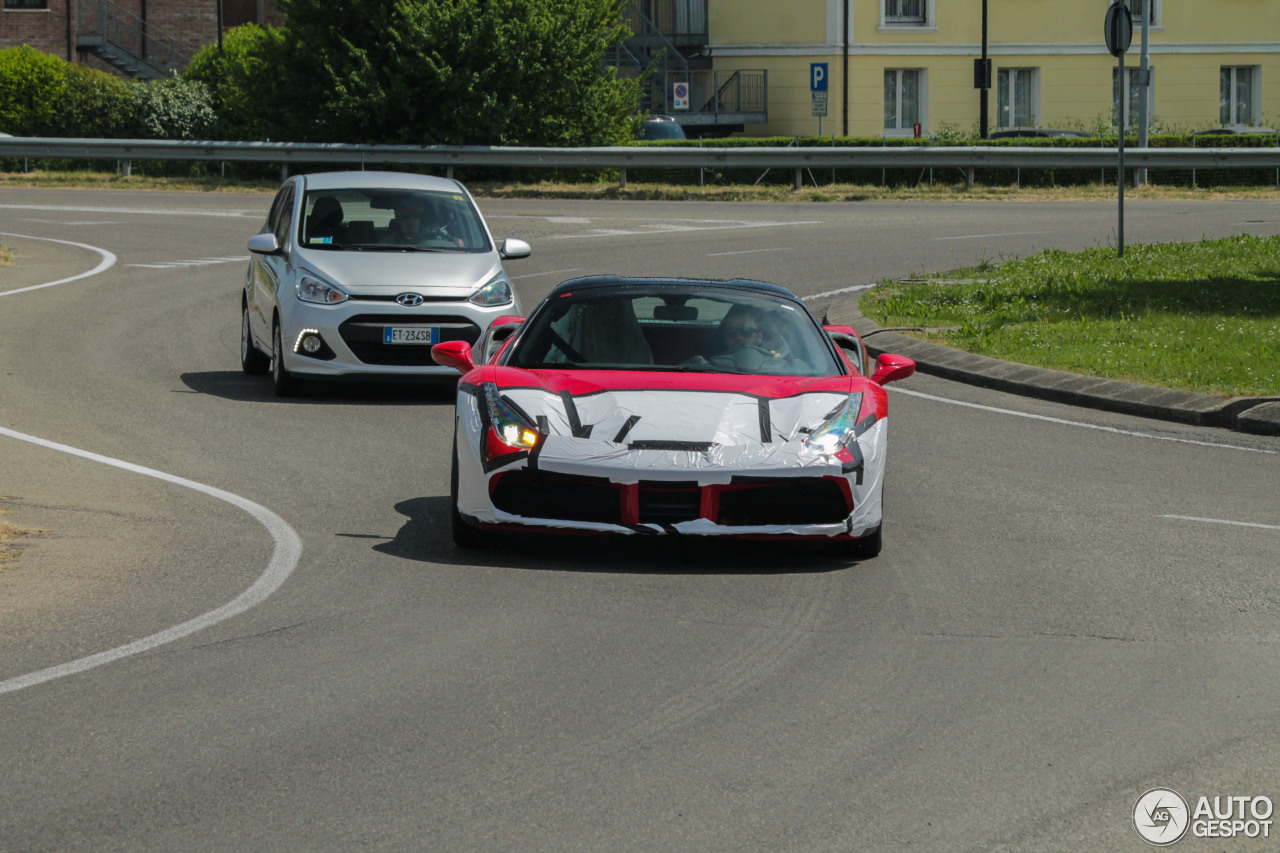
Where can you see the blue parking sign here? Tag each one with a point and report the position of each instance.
(817, 76)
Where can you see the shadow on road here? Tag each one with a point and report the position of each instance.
(234, 385)
(425, 537)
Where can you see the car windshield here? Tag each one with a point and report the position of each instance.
(391, 221)
(675, 328)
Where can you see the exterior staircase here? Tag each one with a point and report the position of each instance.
(126, 42)
(668, 46)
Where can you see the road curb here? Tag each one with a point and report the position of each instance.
(1256, 415)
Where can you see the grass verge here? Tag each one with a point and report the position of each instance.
(8, 534)
(1195, 316)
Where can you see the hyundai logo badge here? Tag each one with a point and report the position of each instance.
(409, 300)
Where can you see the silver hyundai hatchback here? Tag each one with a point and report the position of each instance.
(358, 274)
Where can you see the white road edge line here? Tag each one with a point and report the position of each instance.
(108, 261)
(1064, 422)
(288, 551)
(1223, 521)
(284, 559)
(852, 289)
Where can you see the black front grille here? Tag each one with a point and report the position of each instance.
(540, 494)
(668, 503)
(363, 335)
(744, 503)
(807, 500)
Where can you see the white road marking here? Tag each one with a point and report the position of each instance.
(284, 559)
(141, 211)
(670, 226)
(108, 261)
(747, 252)
(1065, 422)
(985, 236)
(853, 289)
(548, 272)
(1223, 521)
(167, 265)
(72, 221)
(288, 549)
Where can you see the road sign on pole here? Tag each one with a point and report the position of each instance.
(680, 96)
(818, 91)
(1117, 28)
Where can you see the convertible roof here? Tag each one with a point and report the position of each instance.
(607, 281)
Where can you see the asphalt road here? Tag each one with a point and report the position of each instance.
(1072, 607)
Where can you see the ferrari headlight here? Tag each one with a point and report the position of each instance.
(835, 435)
(496, 292)
(508, 426)
(312, 288)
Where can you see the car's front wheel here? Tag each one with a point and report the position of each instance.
(863, 548)
(464, 535)
(286, 384)
(252, 362)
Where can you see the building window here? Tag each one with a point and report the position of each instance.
(1132, 96)
(1135, 10)
(1238, 95)
(26, 4)
(904, 102)
(906, 13)
(1018, 97)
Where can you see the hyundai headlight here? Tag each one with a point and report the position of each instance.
(496, 292)
(835, 435)
(312, 288)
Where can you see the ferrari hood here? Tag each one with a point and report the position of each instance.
(658, 424)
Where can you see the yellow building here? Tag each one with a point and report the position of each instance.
(899, 63)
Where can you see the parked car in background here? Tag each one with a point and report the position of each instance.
(661, 127)
(636, 406)
(358, 274)
(1036, 133)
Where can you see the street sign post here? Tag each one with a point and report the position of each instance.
(818, 91)
(1117, 29)
(680, 96)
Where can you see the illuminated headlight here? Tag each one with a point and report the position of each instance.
(312, 288)
(835, 435)
(496, 292)
(508, 427)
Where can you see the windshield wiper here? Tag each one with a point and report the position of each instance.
(404, 247)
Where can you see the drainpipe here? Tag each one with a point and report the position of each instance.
(844, 19)
(71, 45)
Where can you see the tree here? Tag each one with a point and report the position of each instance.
(459, 72)
(244, 78)
(93, 105)
(31, 84)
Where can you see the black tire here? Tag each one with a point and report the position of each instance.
(464, 535)
(286, 384)
(252, 361)
(863, 548)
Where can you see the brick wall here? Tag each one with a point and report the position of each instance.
(193, 22)
(45, 29)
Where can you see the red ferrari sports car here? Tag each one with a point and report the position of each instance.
(641, 406)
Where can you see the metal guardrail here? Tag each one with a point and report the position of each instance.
(641, 156)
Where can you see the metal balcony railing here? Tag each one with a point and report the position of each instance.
(904, 11)
(127, 41)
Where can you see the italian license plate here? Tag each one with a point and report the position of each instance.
(410, 335)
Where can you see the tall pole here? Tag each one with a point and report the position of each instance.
(1124, 96)
(1144, 92)
(844, 20)
(983, 98)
